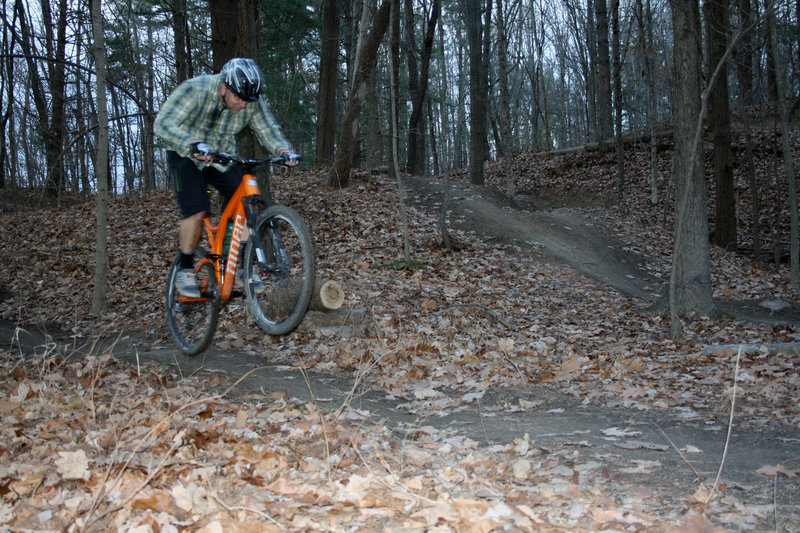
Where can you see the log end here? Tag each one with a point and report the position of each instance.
(331, 295)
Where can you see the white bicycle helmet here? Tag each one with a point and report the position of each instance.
(243, 78)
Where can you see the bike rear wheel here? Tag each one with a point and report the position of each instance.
(287, 270)
(193, 323)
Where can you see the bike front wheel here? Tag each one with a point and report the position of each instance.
(192, 323)
(286, 270)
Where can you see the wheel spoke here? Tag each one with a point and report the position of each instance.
(192, 323)
(287, 274)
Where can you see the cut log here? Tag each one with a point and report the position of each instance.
(327, 295)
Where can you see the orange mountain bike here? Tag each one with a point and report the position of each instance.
(279, 253)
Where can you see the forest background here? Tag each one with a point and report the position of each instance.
(455, 84)
(673, 122)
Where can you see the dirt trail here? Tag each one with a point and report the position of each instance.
(569, 239)
(654, 452)
(566, 238)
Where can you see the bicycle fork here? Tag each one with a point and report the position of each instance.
(255, 239)
(278, 256)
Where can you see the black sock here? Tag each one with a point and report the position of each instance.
(187, 260)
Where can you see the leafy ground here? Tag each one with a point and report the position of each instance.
(91, 443)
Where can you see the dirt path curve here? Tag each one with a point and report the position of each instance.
(566, 238)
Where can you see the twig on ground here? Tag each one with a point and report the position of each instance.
(322, 424)
(730, 427)
(202, 365)
(680, 453)
(231, 508)
(483, 427)
(308, 386)
(362, 372)
(775, 501)
(512, 363)
(175, 360)
(397, 479)
(15, 338)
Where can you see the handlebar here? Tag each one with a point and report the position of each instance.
(224, 158)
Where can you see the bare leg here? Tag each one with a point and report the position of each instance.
(189, 232)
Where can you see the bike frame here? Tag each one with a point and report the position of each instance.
(240, 210)
(193, 321)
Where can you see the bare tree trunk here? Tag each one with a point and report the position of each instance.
(690, 277)
(445, 148)
(432, 135)
(716, 16)
(57, 77)
(50, 110)
(460, 158)
(445, 168)
(7, 151)
(591, 81)
(651, 106)
(416, 123)
(505, 101)
(32, 169)
(603, 74)
(409, 44)
(99, 298)
(373, 137)
(248, 21)
(394, 94)
(365, 67)
(13, 157)
(477, 98)
(149, 115)
(180, 33)
(744, 55)
(539, 82)
(744, 70)
(618, 141)
(486, 56)
(224, 27)
(81, 172)
(328, 77)
(401, 193)
(794, 261)
(755, 197)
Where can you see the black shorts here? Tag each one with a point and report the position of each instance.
(190, 183)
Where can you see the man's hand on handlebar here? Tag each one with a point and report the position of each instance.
(290, 158)
(201, 151)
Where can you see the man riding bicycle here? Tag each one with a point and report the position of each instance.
(202, 116)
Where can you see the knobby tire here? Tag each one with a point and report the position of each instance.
(288, 277)
(192, 324)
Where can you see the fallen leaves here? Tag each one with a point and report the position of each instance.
(73, 465)
(186, 460)
(492, 315)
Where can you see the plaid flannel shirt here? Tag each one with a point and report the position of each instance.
(194, 112)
